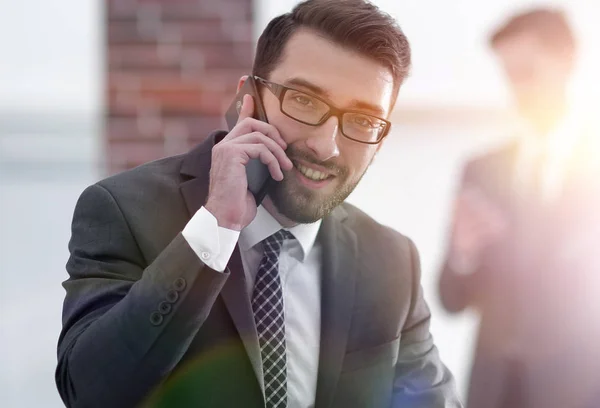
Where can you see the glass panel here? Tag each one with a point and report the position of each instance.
(363, 127)
(303, 107)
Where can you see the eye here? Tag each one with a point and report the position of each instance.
(364, 121)
(303, 100)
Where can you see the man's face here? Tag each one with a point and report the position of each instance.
(536, 75)
(346, 80)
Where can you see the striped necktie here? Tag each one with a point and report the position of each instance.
(267, 305)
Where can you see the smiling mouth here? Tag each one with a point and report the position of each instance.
(311, 174)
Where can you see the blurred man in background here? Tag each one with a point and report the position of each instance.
(523, 249)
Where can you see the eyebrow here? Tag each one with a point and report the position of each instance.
(354, 104)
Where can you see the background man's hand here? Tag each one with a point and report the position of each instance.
(477, 224)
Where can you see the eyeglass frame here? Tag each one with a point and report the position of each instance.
(279, 91)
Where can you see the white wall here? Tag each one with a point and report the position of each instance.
(50, 121)
(51, 81)
(49, 52)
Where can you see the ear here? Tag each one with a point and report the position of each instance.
(241, 82)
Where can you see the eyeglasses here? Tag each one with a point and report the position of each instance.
(314, 111)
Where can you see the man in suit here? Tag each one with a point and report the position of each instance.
(182, 292)
(524, 236)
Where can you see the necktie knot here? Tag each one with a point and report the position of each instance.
(273, 243)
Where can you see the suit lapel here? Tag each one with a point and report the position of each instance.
(337, 301)
(194, 190)
(238, 304)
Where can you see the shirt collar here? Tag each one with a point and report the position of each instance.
(559, 141)
(265, 225)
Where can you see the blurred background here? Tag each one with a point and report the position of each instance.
(90, 88)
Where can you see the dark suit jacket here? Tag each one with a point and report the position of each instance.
(145, 322)
(538, 337)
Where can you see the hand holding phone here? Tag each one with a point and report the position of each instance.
(259, 179)
(229, 199)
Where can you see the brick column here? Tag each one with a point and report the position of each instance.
(172, 70)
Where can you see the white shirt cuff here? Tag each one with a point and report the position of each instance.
(213, 244)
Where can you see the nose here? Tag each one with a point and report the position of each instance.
(324, 140)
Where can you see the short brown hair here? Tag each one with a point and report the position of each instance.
(550, 26)
(357, 25)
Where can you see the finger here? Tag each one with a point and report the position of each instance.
(247, 108)
(276, 149)
(259, 151)
(249, 125)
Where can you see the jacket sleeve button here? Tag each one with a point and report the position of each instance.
(172, 296)
(156, 319)
(180, 284)
(164, 308)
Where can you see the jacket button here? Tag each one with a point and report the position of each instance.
(180, 284)
(156, 319)
(164, 308)
(172, 296)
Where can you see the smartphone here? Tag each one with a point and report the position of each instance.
(259, 178)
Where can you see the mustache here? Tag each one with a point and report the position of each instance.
(295, 153)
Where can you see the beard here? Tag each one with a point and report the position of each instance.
(303, 205)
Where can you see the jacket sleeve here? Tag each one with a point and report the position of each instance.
(457, 292)
(457, 287)
(126, 322)
(421, 380)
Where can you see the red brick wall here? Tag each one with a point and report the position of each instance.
(172, 70)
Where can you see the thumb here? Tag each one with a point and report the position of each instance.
(247, 108)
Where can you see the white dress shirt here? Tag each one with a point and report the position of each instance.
(552, 152)
(300, 272)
